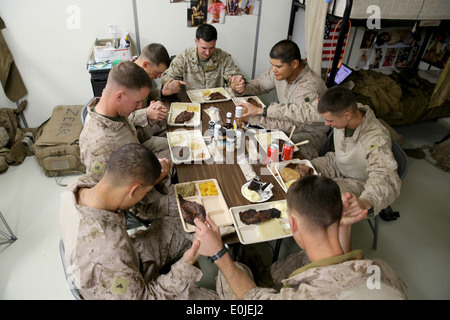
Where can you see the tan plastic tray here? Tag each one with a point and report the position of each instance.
(275, 169)
(200, 96)
(249, 234)
(215, 206)
(177, 107)
(193, 139)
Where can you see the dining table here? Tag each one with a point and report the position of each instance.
(228, 173)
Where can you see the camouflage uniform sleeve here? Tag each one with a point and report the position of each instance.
(264, 84)
(139, 118)
(299, 110)
(176, 69)
(383, 185)
(230, 68)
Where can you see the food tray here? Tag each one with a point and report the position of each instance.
(199, 96)
(238, 100)
(275, 169)
(177, 107)
(193, 140)
(215, 205)
(265, 138)
(254, 233)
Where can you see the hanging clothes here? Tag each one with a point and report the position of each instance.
(10, 77)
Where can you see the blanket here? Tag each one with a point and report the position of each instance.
(398, 98)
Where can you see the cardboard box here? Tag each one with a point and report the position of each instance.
(101, 53)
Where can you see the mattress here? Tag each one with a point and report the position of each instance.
(390, 9)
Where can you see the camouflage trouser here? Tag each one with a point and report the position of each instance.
(326, 166)
(160, 245)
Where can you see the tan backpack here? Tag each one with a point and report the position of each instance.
(56, 148)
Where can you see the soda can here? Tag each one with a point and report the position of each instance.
(288, 151)
(211, 128)
(272, 153)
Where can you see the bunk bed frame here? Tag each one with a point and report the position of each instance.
(385, 23)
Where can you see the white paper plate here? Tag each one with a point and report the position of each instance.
(267, 197)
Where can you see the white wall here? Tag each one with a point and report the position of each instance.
(51, 55)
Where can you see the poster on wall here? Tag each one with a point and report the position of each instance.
(437, 51)
(216, 11)
(250, 7)
(233, 8)
(196, 13)
(391, 47)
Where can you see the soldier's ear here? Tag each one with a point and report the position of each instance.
(120, 96)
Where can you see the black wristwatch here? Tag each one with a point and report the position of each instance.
(219, 253)
(264, 112)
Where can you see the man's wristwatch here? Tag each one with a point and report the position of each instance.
(219, 253)
(264, 114)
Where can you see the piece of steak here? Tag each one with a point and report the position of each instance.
(301, 168)
(254, 102)
(184, 116)
(191, 210)
(216, 96)
(252, 216)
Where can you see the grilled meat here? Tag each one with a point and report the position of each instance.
(181, 152)
(254, 102)
(191, 210)
(184, 116)
(301, 168)
(252, 216)
(216, 96)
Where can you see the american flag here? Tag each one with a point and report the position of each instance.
(330, 41)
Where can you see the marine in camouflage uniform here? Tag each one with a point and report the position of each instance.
(104, 262)
(297, 105)
(101, 136)
(347, 276)
(363, 164)
(186, 67)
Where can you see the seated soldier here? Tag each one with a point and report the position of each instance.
(298, 89)
(108, 127)
(363, 163)
(200, 67)
(150, 122)
(321, 224)
(103, 261)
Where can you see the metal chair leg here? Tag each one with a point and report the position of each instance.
(277, 250)
(10, 237)
(374, 227)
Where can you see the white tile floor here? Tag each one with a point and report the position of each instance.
(417, 245)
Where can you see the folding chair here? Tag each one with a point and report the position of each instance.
(403, 163)
(72, 287)
(10, 237)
